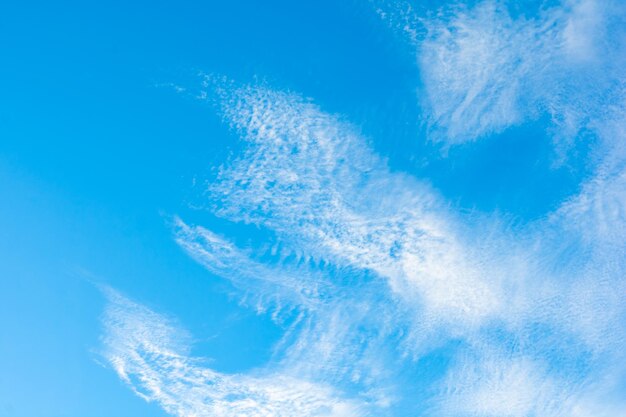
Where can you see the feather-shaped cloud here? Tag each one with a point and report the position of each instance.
(150, 354)
(531, 320)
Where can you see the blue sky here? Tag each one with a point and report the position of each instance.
(376, 208)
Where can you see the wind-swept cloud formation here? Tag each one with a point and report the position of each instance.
(310, 177)
(152, 355)
(377, 274)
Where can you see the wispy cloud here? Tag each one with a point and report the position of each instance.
(341, 329)
(385, 273)
(310, 177)
(499, 386)
(486, 68)
(150, 354)
(538, 317)
(277, 288)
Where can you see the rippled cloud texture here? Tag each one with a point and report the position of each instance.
(374, 276)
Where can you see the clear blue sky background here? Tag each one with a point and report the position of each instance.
(98, 151)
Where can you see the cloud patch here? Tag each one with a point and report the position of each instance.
(488, 67)
(151, 355)
(378, 272)
(384, 274)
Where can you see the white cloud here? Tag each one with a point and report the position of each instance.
(342, 330)
(583, 30)
(280, 287)
(151, 355)
(598, 213)
(484, 70)
(407, 274)
(311, 178)
(476, 68)
(494, 384)
(488, 380)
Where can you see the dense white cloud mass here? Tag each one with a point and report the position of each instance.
(385, 273)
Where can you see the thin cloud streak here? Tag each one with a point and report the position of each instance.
(146, 351)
